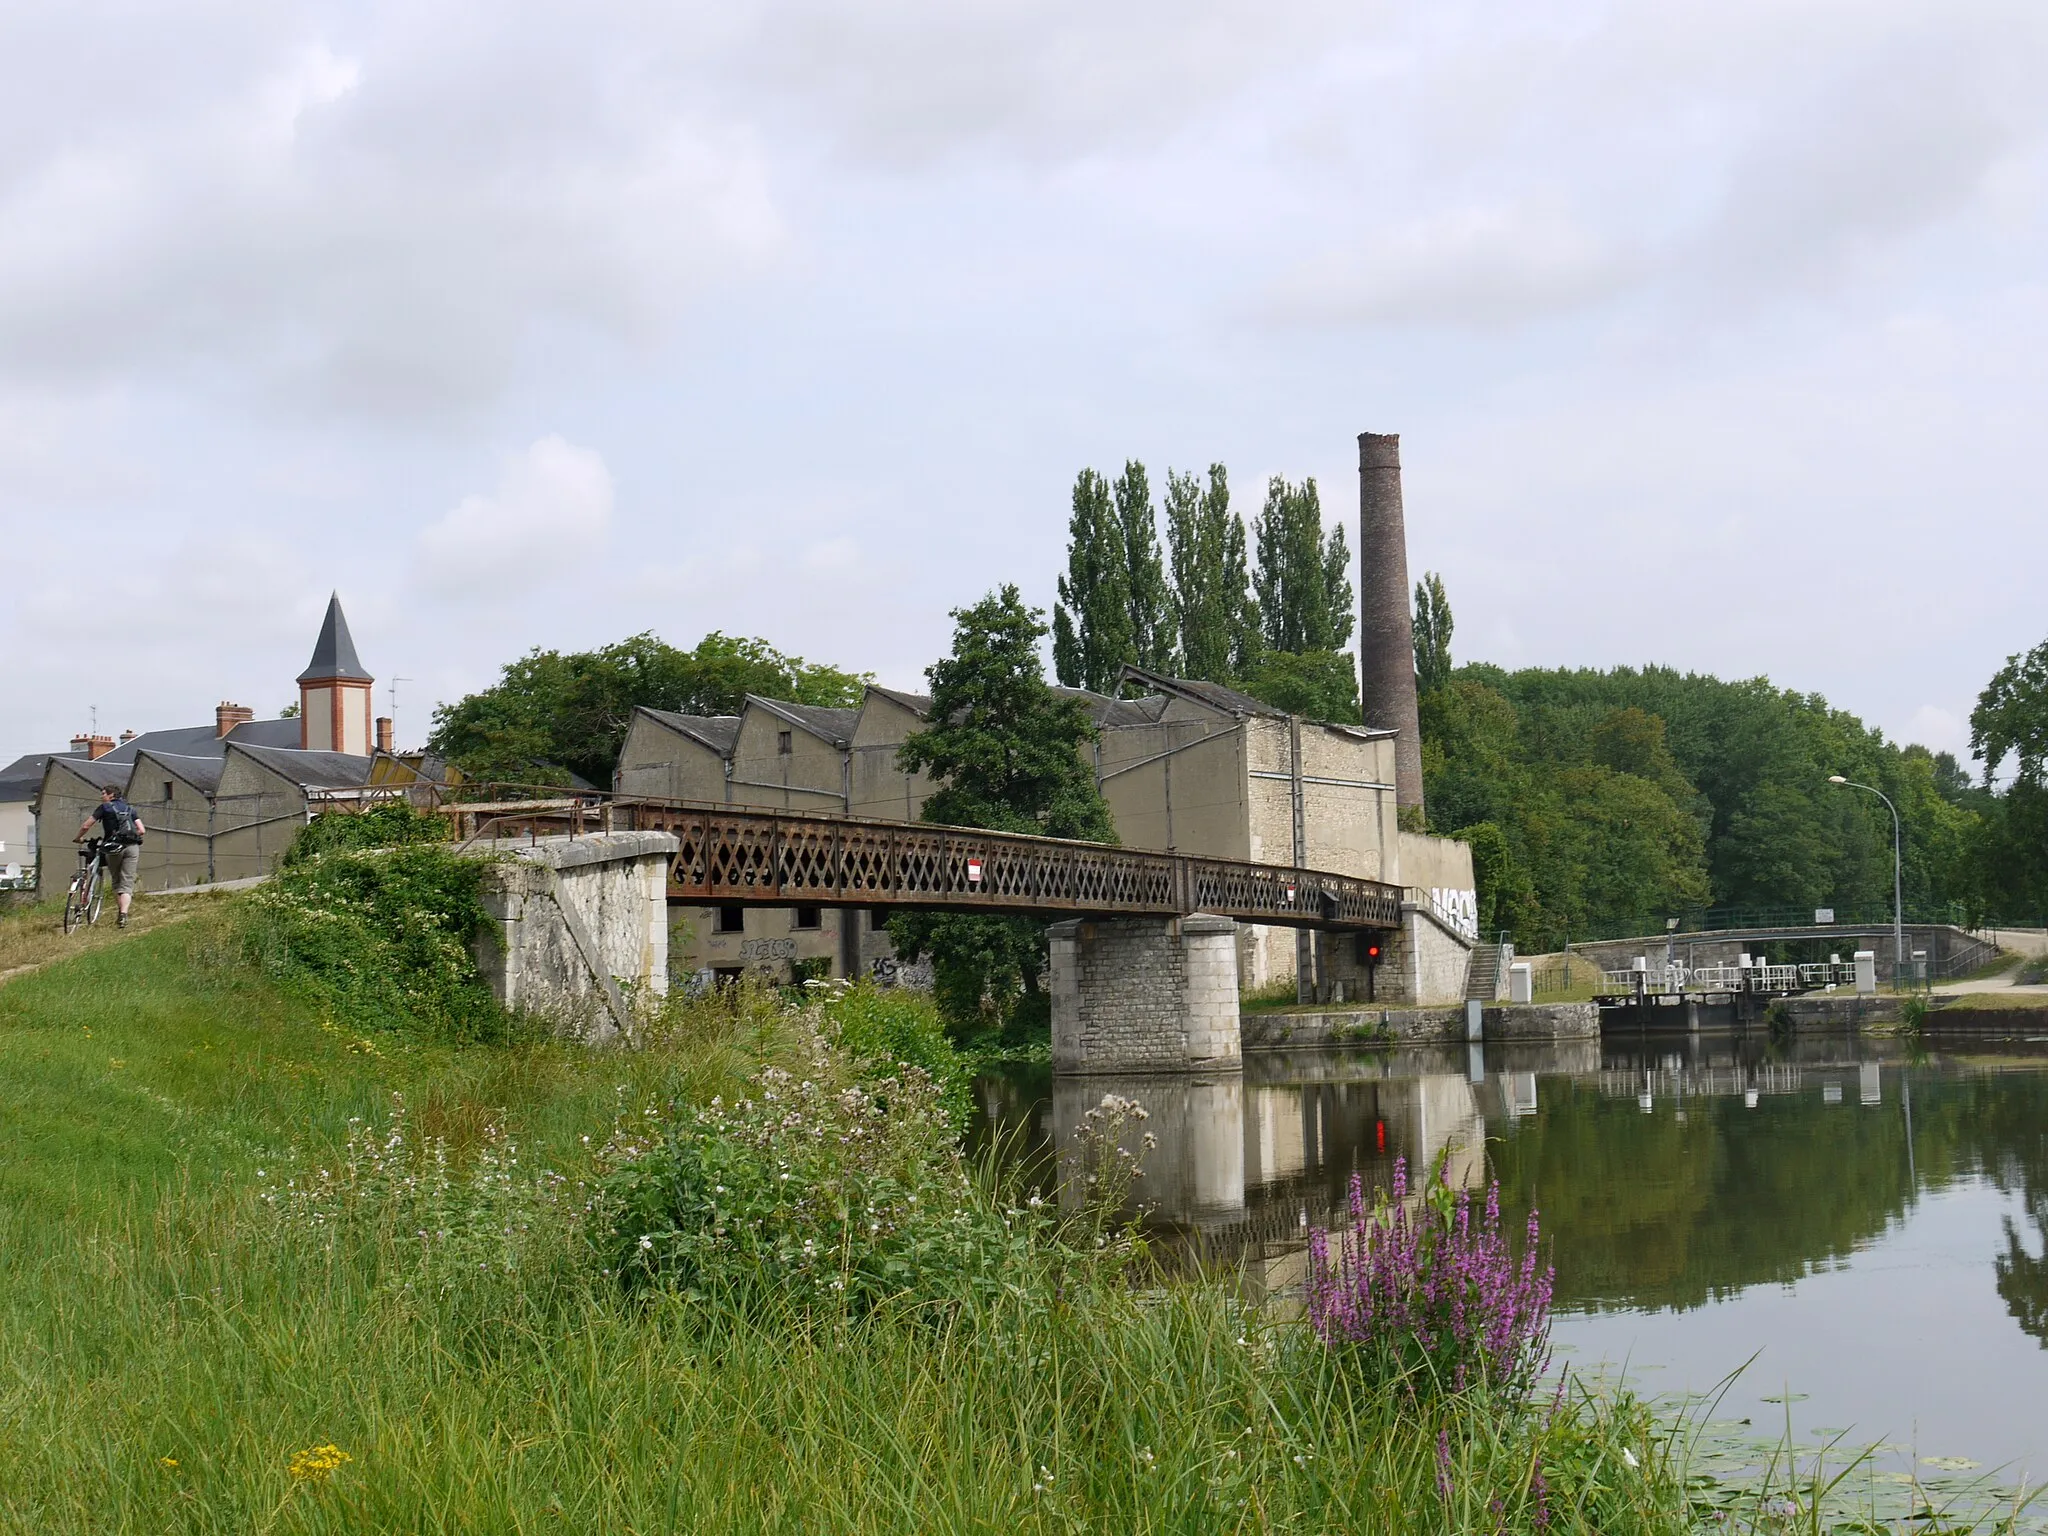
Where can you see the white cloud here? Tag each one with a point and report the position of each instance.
(551, 513)
(377, 227)
(1474, 265)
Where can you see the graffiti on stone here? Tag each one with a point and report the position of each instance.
(914, 975)
(755, 950)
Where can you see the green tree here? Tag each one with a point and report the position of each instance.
(553, 713)
(1432, 633)
(1092, 621)
(1149, 607)
(1318, 685)
(2011, 718)
(1302, 581)
(1005, 751)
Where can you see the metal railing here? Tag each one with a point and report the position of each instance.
(747, 855)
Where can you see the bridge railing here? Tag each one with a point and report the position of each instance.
(1678, 979)
(745, 855)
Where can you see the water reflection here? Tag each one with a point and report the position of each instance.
(1705, 1196)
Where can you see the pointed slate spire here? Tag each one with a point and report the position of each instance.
(334, 654)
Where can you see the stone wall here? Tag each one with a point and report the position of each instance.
(1144, 994)
(578, 916)
(1423, 963)
(1418, 1026)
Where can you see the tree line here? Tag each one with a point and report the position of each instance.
(1269, 611)
(1600, 803)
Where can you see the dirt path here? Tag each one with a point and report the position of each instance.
(34, 938)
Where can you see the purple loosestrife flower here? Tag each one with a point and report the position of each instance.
(1539, 1492)
(1443, 1464)
(1422, 1289)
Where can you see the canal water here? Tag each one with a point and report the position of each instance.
(1857, 1229)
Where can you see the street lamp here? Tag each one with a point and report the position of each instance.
(1898, 878)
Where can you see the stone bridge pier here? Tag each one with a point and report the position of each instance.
(1145, 994)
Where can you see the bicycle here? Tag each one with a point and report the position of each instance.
(88, 887)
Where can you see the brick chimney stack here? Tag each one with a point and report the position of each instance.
(384, 735)
(227, 716)
(93, 746)
(1386, 638)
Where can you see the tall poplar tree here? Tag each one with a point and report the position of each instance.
(1092, 620)
(1148, 605)
(1212, 607)
(1432, 633)
(1303, 580)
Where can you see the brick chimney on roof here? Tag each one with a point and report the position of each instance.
(93, 746)
(227, 716)
(126, 737)
(384, 735)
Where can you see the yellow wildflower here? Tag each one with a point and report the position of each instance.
(168, 1461)
(317, 1463)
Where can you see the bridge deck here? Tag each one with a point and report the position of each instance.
(748, 856)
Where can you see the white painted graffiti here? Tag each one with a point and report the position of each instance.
(891, 972)
(1458, 910)
(767, 949)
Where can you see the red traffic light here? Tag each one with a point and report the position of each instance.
(1372, 952)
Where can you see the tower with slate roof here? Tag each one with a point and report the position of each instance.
(334, 691)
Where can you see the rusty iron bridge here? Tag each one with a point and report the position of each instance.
(748, 856)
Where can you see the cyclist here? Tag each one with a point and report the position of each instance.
(121, 833)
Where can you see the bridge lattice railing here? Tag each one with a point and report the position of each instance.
(750, 856)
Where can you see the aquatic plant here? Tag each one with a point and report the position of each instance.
(1419, 1290)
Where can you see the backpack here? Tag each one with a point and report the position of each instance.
(118, 816)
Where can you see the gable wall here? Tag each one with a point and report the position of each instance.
(257, 813)
(175, 849)
(881, 787)
(660, 761)
(811, 776)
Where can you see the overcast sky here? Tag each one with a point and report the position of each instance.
(1717, 335)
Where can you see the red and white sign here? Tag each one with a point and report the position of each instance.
(974, 871)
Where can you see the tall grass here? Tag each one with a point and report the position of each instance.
(179, 1336)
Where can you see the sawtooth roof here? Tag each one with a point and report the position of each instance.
(832, 725)
(718, 732)
(919, 704)
(312, 770)
(1214, 695)
(202, 773)
(1106, 711)
(201, 741)
(97, 772)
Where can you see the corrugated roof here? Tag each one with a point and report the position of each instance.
(833, 725)
(312, 770)
(202, 773)
(334, 653)
(718, 732)
(1214, 695)
(1106, 711)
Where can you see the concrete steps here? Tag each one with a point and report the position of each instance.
(1483, 977)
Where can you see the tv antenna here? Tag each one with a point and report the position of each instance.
(394, 705)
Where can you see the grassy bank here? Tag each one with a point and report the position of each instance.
(192, 1346)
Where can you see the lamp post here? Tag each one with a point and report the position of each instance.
(1898, 877)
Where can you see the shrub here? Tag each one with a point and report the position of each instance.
(385, 938)
(1418, 1291)
(808, 1192)
(392, 824)
(882, 1031)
